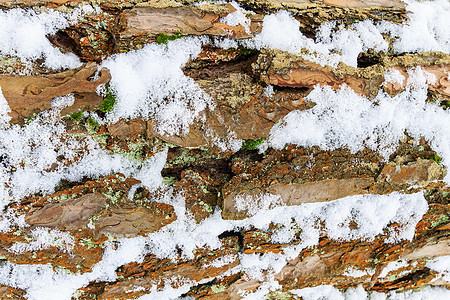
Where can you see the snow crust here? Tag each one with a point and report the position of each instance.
(44, 238)
(28, 40)
(425, 31)
(441, 265)
(37, 156)
(343, 118)
(149, 83)
(393, 76)
(392, 266)
(329, 292)
(351, 272)
(371, 212)
(4, 111)
(239, 17)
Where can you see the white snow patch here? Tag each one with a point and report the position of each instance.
(282, 31)
(23, 34)
(442, 265)
(351, 272)
(268, 91)
(393, 266)
(255, 265)
(344, 118)
(9, 220)
(4, 111)
(150, 171)
(169, 292)
(330, 292)
(252, 204)
(228, 143)
(266, 287)
(149, 83)
(221, 261)
(44, 238)
(239, 17)
(38, 155)
(393, 75)
(425, 31)
(371, 212)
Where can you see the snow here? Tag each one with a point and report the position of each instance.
(329, 292)
(252, 204)
(393, 266)
(150, 172)
(221, 261)
(372, 213)
(349, 42)
(44, 238)
(351, 272)
(4, 111)
(29, 40)
(442, 266)
(32, 157)
(149, 83)
(239, 17)
(393, 75)
(263, 289)
(426, 29)
(343, 118)
(268, 91)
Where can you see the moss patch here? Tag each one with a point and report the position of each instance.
(436, 158)
(252, 144)
(77, 116)
(164, 38)
(108, 103)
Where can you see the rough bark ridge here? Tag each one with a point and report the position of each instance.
(100, 210)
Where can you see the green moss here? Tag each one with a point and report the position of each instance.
(218, 288)
(442, 220)
(436, 158)
(252, 144)
(88, 243)
(169, 180)
(77, 116)
(28, 120)
(445, 104)
(92, 123)
(164, 38)
(108, 103)
(243, 51)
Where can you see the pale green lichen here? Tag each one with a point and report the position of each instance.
(444, 218)
(217, 288)
(88, 243)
